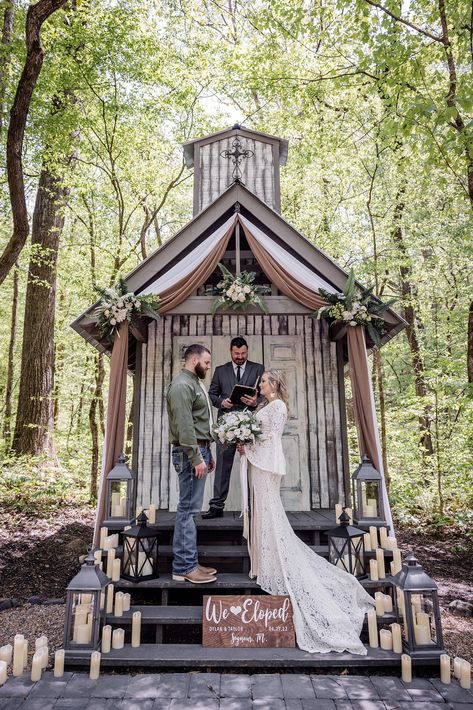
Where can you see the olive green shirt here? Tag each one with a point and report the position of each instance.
(188, 414)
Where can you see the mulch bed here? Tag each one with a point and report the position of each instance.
(38, 558)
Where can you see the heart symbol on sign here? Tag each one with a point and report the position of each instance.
(235, 609)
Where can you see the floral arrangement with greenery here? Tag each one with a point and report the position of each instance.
(238, 428)
(355, 307)
(117, 304)
(238, 291)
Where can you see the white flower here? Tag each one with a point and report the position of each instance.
(230, 435)
(245, 432)
(241, 297)
(356, 306)
(235, 297)
(347, 315)
(106, 313)
(113, 321)
(353, 322)
(247, 289)
(120, 303)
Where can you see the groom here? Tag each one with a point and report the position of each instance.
(238, 371)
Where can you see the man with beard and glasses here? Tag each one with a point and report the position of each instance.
(190, 414)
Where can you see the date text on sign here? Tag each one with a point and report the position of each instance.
(261, 621)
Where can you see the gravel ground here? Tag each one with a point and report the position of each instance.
(33, 621)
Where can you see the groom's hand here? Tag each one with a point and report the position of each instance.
(211, 465)
(200, 470)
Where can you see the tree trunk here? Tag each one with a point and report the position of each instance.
(378, 369)
(37, 14)
(469, 356)
(11, 362)
(34, 423)
(97, 397)
(7, 32)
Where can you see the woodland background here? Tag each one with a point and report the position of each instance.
(376, 100)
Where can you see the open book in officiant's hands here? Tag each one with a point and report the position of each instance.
(240, 391)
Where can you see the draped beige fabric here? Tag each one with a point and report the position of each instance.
(178, 293)
(115, 423)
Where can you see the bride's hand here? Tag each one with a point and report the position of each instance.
(241, 449)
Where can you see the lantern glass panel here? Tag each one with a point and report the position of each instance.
(140, 557)
(369, 498)
(425, 630)
(118, 499)
(80, 632)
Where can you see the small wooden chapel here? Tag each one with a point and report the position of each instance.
(237, 221)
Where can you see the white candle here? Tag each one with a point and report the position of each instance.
(44, 651)
(82, 635)
(367, 539)
(380, 561)
(139, 510)
(374, 536)
(372, 503)
(445, 668)
(115, 540)
(25, 653)
(119, 604)
(126, 602)
(372, 629)
(416, 603)
(118, 638)
(397, 562)
(379, 599)
(374, 570)
(37, 666)
(349, 512)
(3, 672)
(422, 634)
(106, 638)
(59, 663)
(391, 543)
(383, 537)
(338, 512)
(6, 653)
(94, 665)
(41, 641)
(386, 640)
(107, 543)
(103, 535)
(406, 666)
(465, 675)
(136, 629)
(457, 663)
(388, 604)
(144, 565)
(116, 570)
(18, 654)
(98, 556)
(152, 514)
(397, 638)
(109, 607)
(110, 559)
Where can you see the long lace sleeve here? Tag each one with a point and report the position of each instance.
(267, 453)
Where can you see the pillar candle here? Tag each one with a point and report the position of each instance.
(126, 602)
(422, 634)
(94, 665)
(37, 666)
(445, 668)
(116, 570)
(110, 559)
(107, 543)
(41, 641)
(6, 653)
(103, 535)
(109, 607)
(118, 638)
(397, 638)
(423, 618)
(106, 638)
(416, 603)
(465, 675)
(374, 537)
(139, 510)
(3, 672)
(386, 640)
(59, 663)
(152, 514)
(406, 666)
(383, 538)
(338, 512)
(25, 653)
(388, 604)
(18, 654)
(372, 629)
(136, 629)
(380, 561)
(374, 570)
(367, 539)
(119, 604)
(98, 556)
(379, 599)
(82, 635)
(391, 543)
(397, 562)
(115, 540)
(457, 662)
(44, 651)
(349, 512)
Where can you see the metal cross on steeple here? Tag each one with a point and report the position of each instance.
(236, 156)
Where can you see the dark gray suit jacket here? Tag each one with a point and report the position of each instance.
(224, 380)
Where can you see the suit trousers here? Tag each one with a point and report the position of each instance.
(225, 457)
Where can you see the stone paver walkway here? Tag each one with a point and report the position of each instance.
(215, 691)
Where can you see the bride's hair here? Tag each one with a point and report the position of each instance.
(278, 381)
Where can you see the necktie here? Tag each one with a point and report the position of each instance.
(238, 373)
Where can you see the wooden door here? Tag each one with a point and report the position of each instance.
(284, 352)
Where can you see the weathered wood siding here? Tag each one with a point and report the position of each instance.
(216, 172)
(324, 418)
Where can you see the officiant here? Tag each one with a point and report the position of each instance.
(238, 371)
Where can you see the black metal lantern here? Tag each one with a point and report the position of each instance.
(140, 551)
(346, 547)
(120, 495)
(85, 609)
(419, 606)
(367, 484)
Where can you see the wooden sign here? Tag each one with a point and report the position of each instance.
(260, 621)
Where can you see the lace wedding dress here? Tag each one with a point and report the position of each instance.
(329, 605)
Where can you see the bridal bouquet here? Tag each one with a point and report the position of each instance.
(238, 428)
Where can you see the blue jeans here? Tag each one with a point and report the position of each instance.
(191, 496)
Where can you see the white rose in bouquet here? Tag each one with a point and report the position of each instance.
(246, 288)
(241, 297)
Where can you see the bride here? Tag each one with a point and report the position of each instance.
(329, 605)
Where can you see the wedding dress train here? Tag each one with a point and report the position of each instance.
(329, 605)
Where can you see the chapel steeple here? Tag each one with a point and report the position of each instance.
(236, 154)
